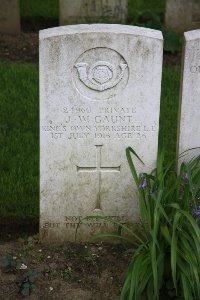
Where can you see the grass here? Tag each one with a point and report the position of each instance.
(39, 9)
(169, 110)
(19, 140)
(49, 9)
(140, 6)
(156, 6)
(19, 134)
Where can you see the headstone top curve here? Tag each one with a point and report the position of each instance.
(192, 35)
(103, 28)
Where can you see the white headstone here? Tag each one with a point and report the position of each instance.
(182, 15)
(99, 93)
(9, 17)
(92, 11)
(189, 113)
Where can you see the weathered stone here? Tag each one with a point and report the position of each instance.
(99, 93)
(182, 15)
(189, 112)
(92, 11)
(9, 17)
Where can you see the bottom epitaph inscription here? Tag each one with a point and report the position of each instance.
(90, 221)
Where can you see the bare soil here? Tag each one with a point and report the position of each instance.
(72, 271)
(24, 48)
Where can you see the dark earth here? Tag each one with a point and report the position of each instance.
(74, 271)
(24, 48)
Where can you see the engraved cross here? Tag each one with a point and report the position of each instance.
(98, 169)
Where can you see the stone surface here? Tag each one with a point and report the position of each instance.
(189, 111)
(9, 16)
(182, 15)
(99, 93)
(92, 11)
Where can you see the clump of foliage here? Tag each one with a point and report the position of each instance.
(26, 283)
(166, 242)
(9, 264)
(172, 41)
(65, 274)
(166, 251)
(30, 242)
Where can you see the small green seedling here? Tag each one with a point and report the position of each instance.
(26, 283)
(65, 274)
(8, 263)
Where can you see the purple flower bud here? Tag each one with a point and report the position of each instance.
(196, 212)
(143, 181)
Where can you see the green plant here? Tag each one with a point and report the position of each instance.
(30, 242)
(172, 41)
(168, 244)
(39, 10)
(65, 274)
(26, 283)
(149, 19)
(8, 263)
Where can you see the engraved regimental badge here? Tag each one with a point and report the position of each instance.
(101, 76)
(100, 73)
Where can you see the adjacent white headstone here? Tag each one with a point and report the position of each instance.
(182, 15)
(92, 11)
(189, 114)
(9, 17)
(99, 93)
